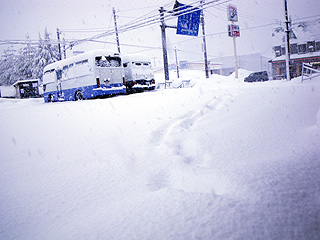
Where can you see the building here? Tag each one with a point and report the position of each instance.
(304, 48)
(254, 62)
(214, 67)
(27, 88)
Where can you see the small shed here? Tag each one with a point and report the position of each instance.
(28, 88)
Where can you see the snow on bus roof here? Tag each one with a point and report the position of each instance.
(80, 57)
(135, 58)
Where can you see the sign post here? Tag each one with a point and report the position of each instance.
(189, 19)
(233, 31)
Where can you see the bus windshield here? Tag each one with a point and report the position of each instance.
(102, 61)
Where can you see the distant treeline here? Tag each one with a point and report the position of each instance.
(29, 62)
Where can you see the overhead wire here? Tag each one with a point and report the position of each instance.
(152, 19)
(146, 20)
(241, 13)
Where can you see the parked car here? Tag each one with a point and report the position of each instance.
(257, 77)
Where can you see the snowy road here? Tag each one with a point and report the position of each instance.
(221, 160)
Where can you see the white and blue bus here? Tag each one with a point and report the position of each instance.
(88, 75)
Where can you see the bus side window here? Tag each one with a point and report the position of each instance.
(98, 61)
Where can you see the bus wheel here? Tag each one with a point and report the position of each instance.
(50, 98)
(78, 95)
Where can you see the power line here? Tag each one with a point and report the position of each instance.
(53, 41)
(149, 19)
(314, 16)
(144, 22)
(224, 32)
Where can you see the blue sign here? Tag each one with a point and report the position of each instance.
(188, 20)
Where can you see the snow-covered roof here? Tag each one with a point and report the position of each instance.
(303, 31)
(80, 57)
(297, 56)
(25, 81)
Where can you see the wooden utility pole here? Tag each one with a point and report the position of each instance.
(177, 64)
(164, 46)
(64, 48)
(287, 41)
(59, 47)
(116, 28)
(206, 68)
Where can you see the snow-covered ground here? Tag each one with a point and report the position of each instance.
(221, 160)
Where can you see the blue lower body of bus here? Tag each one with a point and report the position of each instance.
(86, 92)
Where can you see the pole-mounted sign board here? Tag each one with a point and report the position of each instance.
(233, 30)
(188, 19)
(232, 13)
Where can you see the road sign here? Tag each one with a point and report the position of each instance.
(232, 13)
(233, 30)
(188, 20)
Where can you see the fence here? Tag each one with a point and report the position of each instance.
(308, 72)
(175, 84)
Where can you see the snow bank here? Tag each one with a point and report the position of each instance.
(186, 77)
(318, 119)
(242, 74)
(198, 76)
(220, 160)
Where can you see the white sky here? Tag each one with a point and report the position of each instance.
(30, 17)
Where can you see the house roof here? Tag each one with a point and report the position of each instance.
(25, 81)
(297, 56)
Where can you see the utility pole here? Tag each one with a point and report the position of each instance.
(164, 47)
(204, 41)
(64, 48)
(116, 28)
(287, 41)
(59, 47)
(175, 51)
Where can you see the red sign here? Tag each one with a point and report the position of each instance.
(233, 30)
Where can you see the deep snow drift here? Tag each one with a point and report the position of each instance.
(221, 160)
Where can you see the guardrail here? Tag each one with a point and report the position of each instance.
(184, 83)
(163, 85)
(170, 84)
(308, 72)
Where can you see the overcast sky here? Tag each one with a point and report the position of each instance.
(21, 18)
